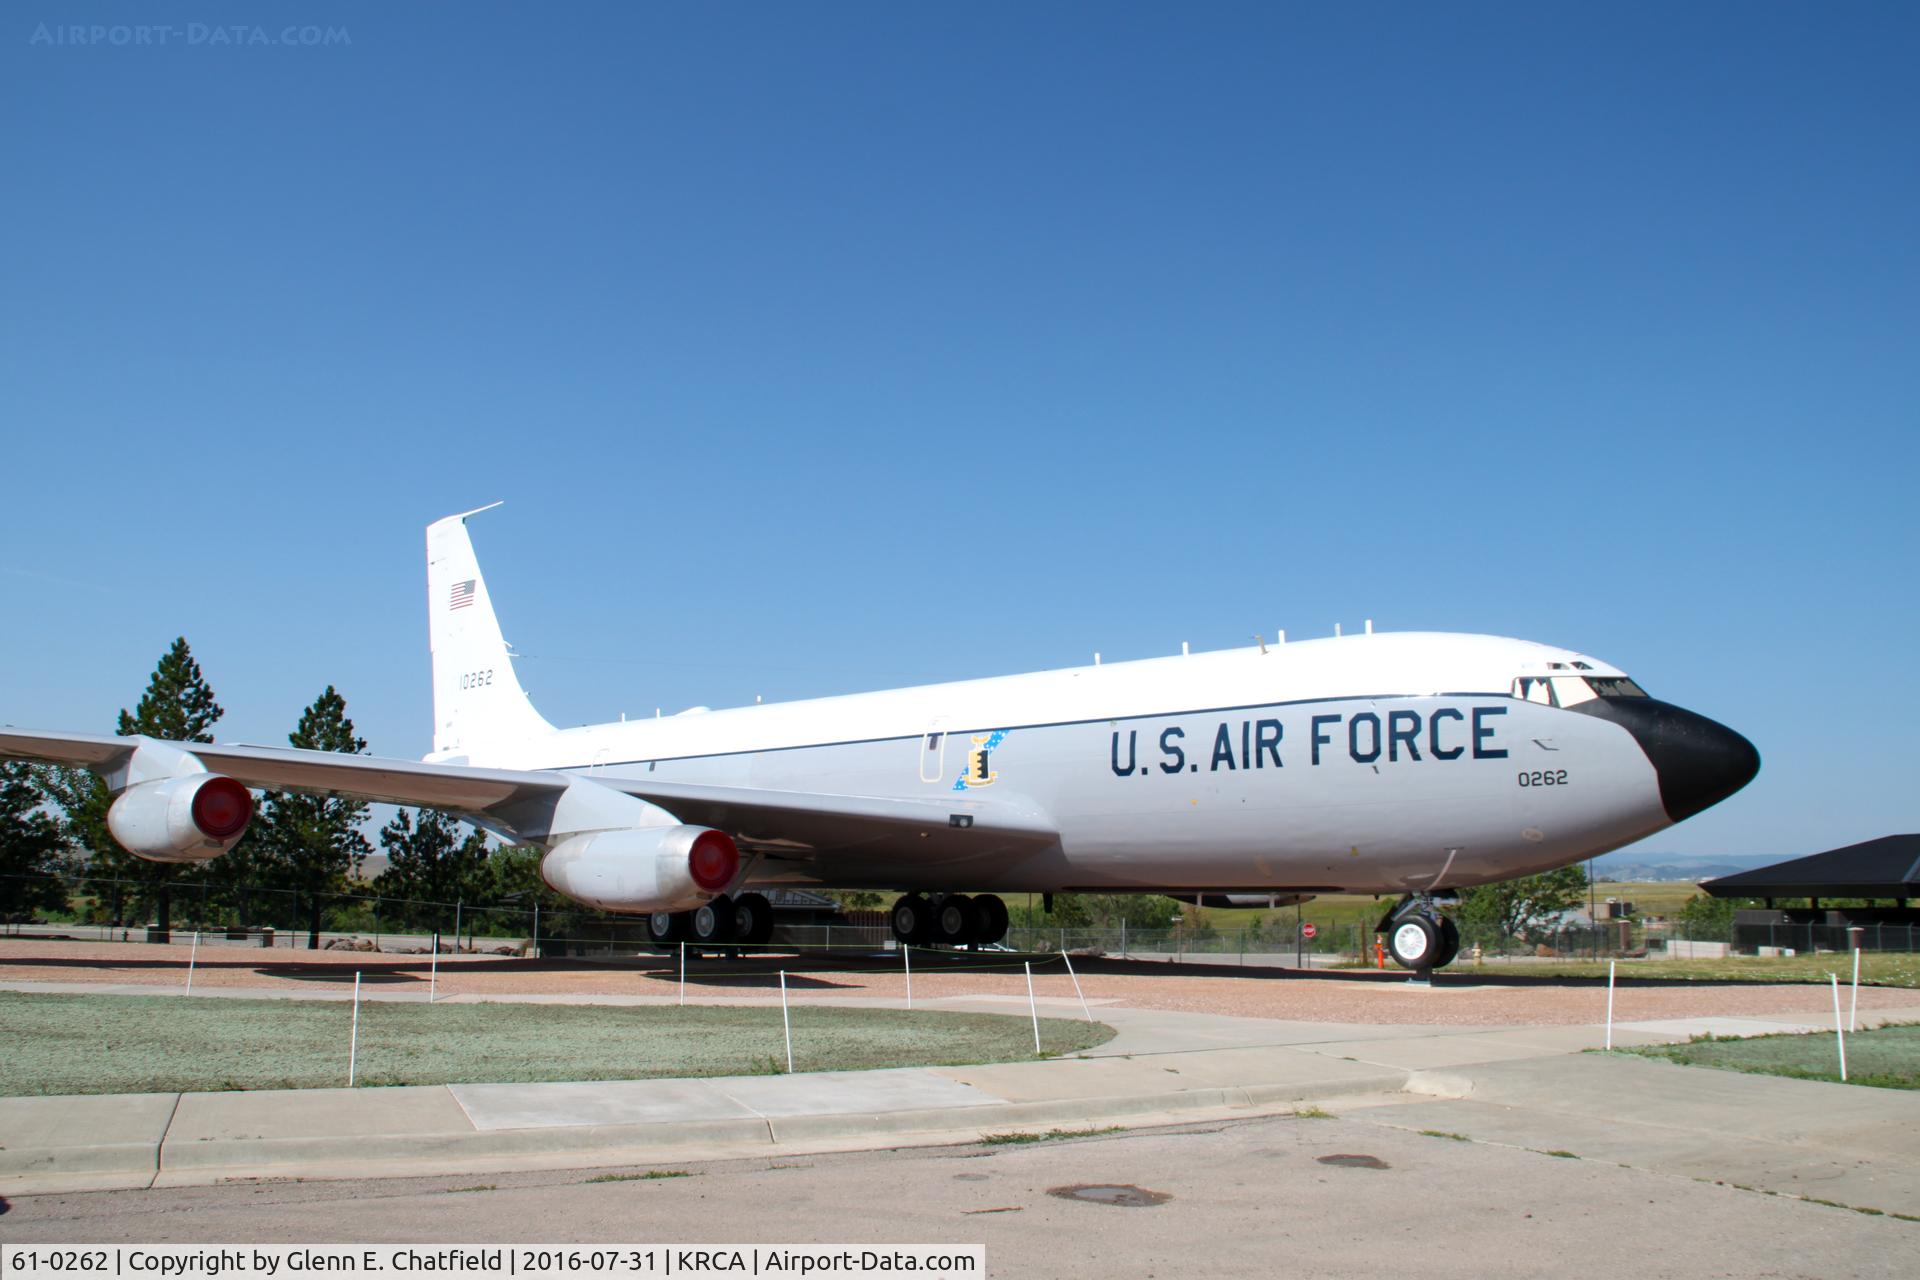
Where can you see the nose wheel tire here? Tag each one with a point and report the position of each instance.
(752, 919)
(1414, 942)
(712, 923)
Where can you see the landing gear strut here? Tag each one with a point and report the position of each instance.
(952, 919)
(1418, 936)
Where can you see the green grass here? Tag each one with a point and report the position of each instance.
(1649, 897)
(58, 1044)
(1886, 1058)
(1442, 1133)
(1881, 968)
(1051, 1135)
(1335, 913)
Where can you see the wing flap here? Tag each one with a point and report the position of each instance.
(823, 823)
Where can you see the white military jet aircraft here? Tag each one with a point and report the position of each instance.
(1408, 763)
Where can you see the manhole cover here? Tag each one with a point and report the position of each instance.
(1355, 1162)
(1127, 1197)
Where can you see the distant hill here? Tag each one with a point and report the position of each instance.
(1640, 865)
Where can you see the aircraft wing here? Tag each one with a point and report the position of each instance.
(790, 824)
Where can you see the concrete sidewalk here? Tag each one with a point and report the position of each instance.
(1162, 1067)
(1841, 1144)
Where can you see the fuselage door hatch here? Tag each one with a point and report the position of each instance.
(933, 750)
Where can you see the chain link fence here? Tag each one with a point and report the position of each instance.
(109, 909)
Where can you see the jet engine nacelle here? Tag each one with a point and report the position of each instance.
(185, 819)
(643, 869)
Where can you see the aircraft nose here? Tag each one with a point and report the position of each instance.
(1700, 762)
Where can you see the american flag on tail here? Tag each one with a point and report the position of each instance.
(462, 594)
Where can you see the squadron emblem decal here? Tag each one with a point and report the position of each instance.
(979, 771)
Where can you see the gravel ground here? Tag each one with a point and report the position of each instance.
(1461, 996)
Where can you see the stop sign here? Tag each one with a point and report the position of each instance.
(1308, 930)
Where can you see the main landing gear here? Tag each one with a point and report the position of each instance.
(1418, 936)
(951, 919)
(746, 919)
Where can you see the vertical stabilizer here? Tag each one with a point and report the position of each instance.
(479, 708)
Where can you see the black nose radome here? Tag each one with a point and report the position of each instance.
(1699, 762)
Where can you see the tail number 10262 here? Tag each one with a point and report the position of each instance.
(1544, 778)
(476, 679)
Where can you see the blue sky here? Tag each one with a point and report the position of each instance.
(826, 347)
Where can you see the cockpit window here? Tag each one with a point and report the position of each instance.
(1615, 687)
(1534, 689)
(1571, 691)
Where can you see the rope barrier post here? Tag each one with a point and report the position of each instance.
(194, 955)
(906, 958)
(683, 973)
(786, 1021)
(1034, 1009)
(1076, 985)
(433, 973)
(354, 1035)
(1853, 1009)
(1839, 1035)
(1610, 965)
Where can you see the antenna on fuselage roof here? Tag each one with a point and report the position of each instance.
(1261, 642)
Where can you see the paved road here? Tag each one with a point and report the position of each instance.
(1507, 1151)
(1246, 1198)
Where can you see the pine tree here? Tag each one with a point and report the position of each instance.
(310, 843)
(178, 706)
(430, 865)
(32, 845)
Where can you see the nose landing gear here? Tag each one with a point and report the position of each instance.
(951, 919)
(1418, 936)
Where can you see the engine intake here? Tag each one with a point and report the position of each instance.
(643, 869)
(186, 819)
